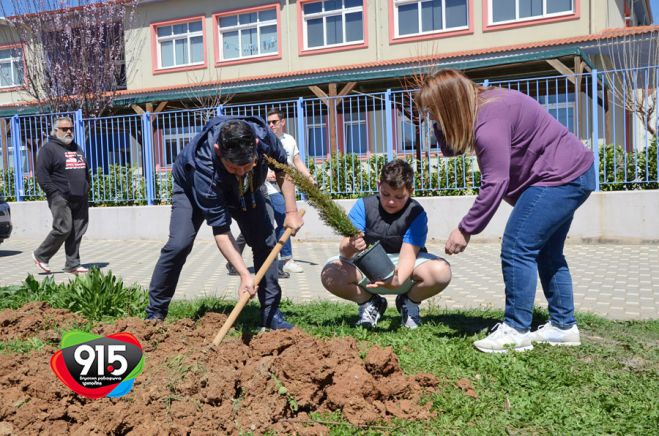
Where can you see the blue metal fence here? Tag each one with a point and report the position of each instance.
(346, 139)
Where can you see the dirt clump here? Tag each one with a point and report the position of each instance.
(270, 382)
(36, 320)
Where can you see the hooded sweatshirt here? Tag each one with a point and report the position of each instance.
(62, 169)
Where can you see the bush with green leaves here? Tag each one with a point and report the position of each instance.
(638, 167)
(350, 176)
(96, 295)
(121, 185)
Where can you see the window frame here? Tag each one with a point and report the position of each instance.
(241, 60)
(156, 51)
(11, 60)
(488, 25)
(394, 38)
(567, 104)
(303, 49)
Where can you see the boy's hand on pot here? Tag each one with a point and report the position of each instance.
(457, 242)
(358, 243)
(390, 283)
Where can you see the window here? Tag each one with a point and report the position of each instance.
(504, 11)
(181, 44)
(11, 67)
(173, 140)
(418, 17)
(356, 139)
(248, 34)
(317, 139)
(561, 106)
(406, 134)
(333, 22)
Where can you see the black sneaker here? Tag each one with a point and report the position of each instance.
(283, 274)
(371, 312)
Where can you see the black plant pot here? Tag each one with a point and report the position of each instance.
(374, 262)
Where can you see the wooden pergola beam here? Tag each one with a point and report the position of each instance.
(563, 69)
(161, 106)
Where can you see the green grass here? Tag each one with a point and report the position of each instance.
(609, 385)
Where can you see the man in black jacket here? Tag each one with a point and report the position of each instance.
(63, 174)
(217, 177)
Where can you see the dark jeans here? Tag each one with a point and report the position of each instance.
(533, 244)
(269, 205)
(70, 219)
(279, 210)
(186, 219)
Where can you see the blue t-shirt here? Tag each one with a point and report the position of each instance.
(415, 234)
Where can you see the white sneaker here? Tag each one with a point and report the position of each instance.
(550, 334)
(292, 267)
(43, 266)
(503, 338)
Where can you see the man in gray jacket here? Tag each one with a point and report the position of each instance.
(63, 174)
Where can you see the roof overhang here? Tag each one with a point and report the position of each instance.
(348, 75)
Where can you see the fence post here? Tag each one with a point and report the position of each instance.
(595, 137)
(18, 168)
(219, 110)
(300, 133)
(147, 146)
(79, 128)
(389, 125)
(301, 137)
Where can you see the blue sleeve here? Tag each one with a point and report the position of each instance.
(212, 206)
(358, 215)
(417, 232)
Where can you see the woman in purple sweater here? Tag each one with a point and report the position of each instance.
(531, 161)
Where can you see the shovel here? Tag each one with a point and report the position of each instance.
(244, 298)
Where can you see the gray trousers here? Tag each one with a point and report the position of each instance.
(70, 219)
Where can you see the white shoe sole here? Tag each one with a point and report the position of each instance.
(489, 350)
(558, 344)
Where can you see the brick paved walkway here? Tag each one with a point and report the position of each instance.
(616, 281)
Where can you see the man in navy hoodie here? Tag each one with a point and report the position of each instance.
(217, 177)
(63, 174)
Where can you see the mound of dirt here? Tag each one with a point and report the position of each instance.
(36, 320)
(266, 383)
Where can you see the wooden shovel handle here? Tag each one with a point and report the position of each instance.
(244, 298)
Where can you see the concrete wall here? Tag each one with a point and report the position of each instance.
(612, 216)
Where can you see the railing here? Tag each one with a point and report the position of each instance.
(346, 139)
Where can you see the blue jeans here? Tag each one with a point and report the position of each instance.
(533, 244)
(279, 207)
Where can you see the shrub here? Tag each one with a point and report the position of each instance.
(95, 295)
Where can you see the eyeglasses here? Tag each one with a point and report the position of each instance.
(65, 129)
(273, 122)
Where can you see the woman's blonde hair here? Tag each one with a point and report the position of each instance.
(451, 99)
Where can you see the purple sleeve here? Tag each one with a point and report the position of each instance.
(493, 148)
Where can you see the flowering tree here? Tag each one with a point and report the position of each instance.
(73, 50)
